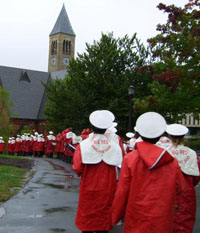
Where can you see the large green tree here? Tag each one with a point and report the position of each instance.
(5, 105)
(176, 64)
(99, 79)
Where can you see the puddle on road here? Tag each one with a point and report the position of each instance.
(45, 205)
(39, 180)
(57, 230)
(55, 174)
(57, 186)
(35, 216)
(63, 186)
(30, 189)
(58, 167)
(58, 209)
(2, 211)
(69, 177)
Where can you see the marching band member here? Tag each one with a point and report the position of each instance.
(95, 160)
(189, 163)
(1, 145)
(149, 181)
(50, 144)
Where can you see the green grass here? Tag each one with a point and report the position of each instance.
(11, 156)
(11, 179)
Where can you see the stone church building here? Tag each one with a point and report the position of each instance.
(25, 86)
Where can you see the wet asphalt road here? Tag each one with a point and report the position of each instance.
(48, 202)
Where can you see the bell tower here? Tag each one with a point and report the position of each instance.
(61, 43)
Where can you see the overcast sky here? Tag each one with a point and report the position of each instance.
(26, 24)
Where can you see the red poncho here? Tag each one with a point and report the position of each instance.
(184, 219)
(97, 189)
(149, 181)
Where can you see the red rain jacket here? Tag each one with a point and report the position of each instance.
(149, 181)
(1, 146)
(40, 146)
(28, 146)
(17, 146)
(58, 142)
(35, 145)
(50, 147)
(97, 190)
(85, 133)
(185, 216)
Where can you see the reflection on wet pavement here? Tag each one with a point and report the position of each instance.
(47, 203)
(58, 167)
(58, 230)
(59, 209)
(35, 216)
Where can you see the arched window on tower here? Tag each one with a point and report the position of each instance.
(54, 47)
(64, 46)
(67, 44)
(69, 47)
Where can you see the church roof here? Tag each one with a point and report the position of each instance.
(63, 24)
(26, 91)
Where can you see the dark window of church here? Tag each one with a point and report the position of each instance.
(24, 77)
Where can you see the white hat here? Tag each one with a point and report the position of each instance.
(130, 135)
(113, 129)
(114, 124)
(69, 135)
(101, 119)
(177, 130)
(50, 132)
(151, 125)
(36, 133)
(108, 113)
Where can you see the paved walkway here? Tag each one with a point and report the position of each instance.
(48, 202)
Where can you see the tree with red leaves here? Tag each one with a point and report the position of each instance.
(175, 51)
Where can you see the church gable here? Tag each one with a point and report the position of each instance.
(26, 91)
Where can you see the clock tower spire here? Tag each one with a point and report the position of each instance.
(61, 44)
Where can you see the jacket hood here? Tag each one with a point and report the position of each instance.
(152, 155)
(66, 131)
(85, 132)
